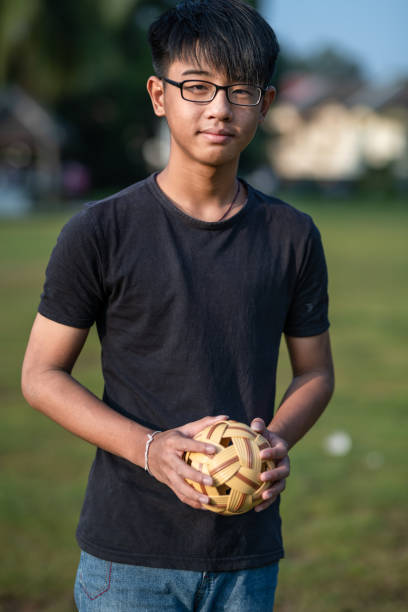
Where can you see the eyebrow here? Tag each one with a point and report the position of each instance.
(195, 71)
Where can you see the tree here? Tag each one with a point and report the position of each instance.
(89, 62)
(49, 48)
(327, 62)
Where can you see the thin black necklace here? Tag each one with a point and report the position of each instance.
(232, 203)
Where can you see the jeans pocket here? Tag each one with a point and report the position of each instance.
(94, 576)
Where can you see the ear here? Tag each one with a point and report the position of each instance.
(267, 100)
(155, 87)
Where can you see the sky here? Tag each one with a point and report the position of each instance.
(373, 32)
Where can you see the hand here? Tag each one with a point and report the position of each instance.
(279, 455)
(166, 462)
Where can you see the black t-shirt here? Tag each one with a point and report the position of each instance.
(190, 316)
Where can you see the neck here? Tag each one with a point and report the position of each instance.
(204, 192)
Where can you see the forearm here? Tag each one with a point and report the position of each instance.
(304, 401)
(59, 396)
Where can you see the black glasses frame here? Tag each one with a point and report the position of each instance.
(225, 88)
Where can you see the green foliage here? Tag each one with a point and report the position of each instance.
(55, 48)
(88, 62)
(344, 516)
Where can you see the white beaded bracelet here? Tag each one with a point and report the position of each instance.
(149, 441)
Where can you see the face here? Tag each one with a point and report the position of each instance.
(214, 133)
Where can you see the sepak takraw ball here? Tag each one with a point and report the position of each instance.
(235, 467)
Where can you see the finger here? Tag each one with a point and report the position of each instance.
(280, 469)
(264, 505)
(274, 490)
(184, 444)
(270, 495)
(258, 425)
(186, 472)
(193, 428)
(166, 458)
(278, 451)
(275, 474)
(188, 495)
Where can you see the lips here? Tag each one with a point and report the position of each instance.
(217, 132)
(217, 136)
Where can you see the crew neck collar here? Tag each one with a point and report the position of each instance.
(209, 225)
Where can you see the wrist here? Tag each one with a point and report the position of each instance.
(149, 440)
(134, 443)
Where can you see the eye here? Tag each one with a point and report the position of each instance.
(197, 87)
(243, 90)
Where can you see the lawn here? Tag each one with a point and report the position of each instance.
(345, 516)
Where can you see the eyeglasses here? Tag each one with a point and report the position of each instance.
(201, 92)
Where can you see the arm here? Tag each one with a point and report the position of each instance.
(303, 402)
(48, 386)
(310, 390)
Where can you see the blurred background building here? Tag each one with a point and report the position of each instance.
(76, 122)
(340, 122)
(30, 147)
(339, 134)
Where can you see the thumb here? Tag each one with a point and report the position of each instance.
(258, 425)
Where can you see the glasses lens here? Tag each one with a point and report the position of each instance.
(198, 91)
(245, 95)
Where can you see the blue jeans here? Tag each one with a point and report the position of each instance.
(102, 586)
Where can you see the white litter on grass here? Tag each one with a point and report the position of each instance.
(338, 443)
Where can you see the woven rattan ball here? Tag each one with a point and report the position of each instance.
(235, 468)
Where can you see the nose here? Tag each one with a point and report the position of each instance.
(219, 107)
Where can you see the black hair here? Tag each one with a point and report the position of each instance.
(229, 35)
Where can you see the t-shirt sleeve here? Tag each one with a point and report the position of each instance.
(73, 288)
(308, 311)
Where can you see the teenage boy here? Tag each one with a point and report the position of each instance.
(191, 277)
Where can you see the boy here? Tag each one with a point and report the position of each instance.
(191, 276)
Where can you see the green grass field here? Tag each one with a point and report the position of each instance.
(345, 517)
